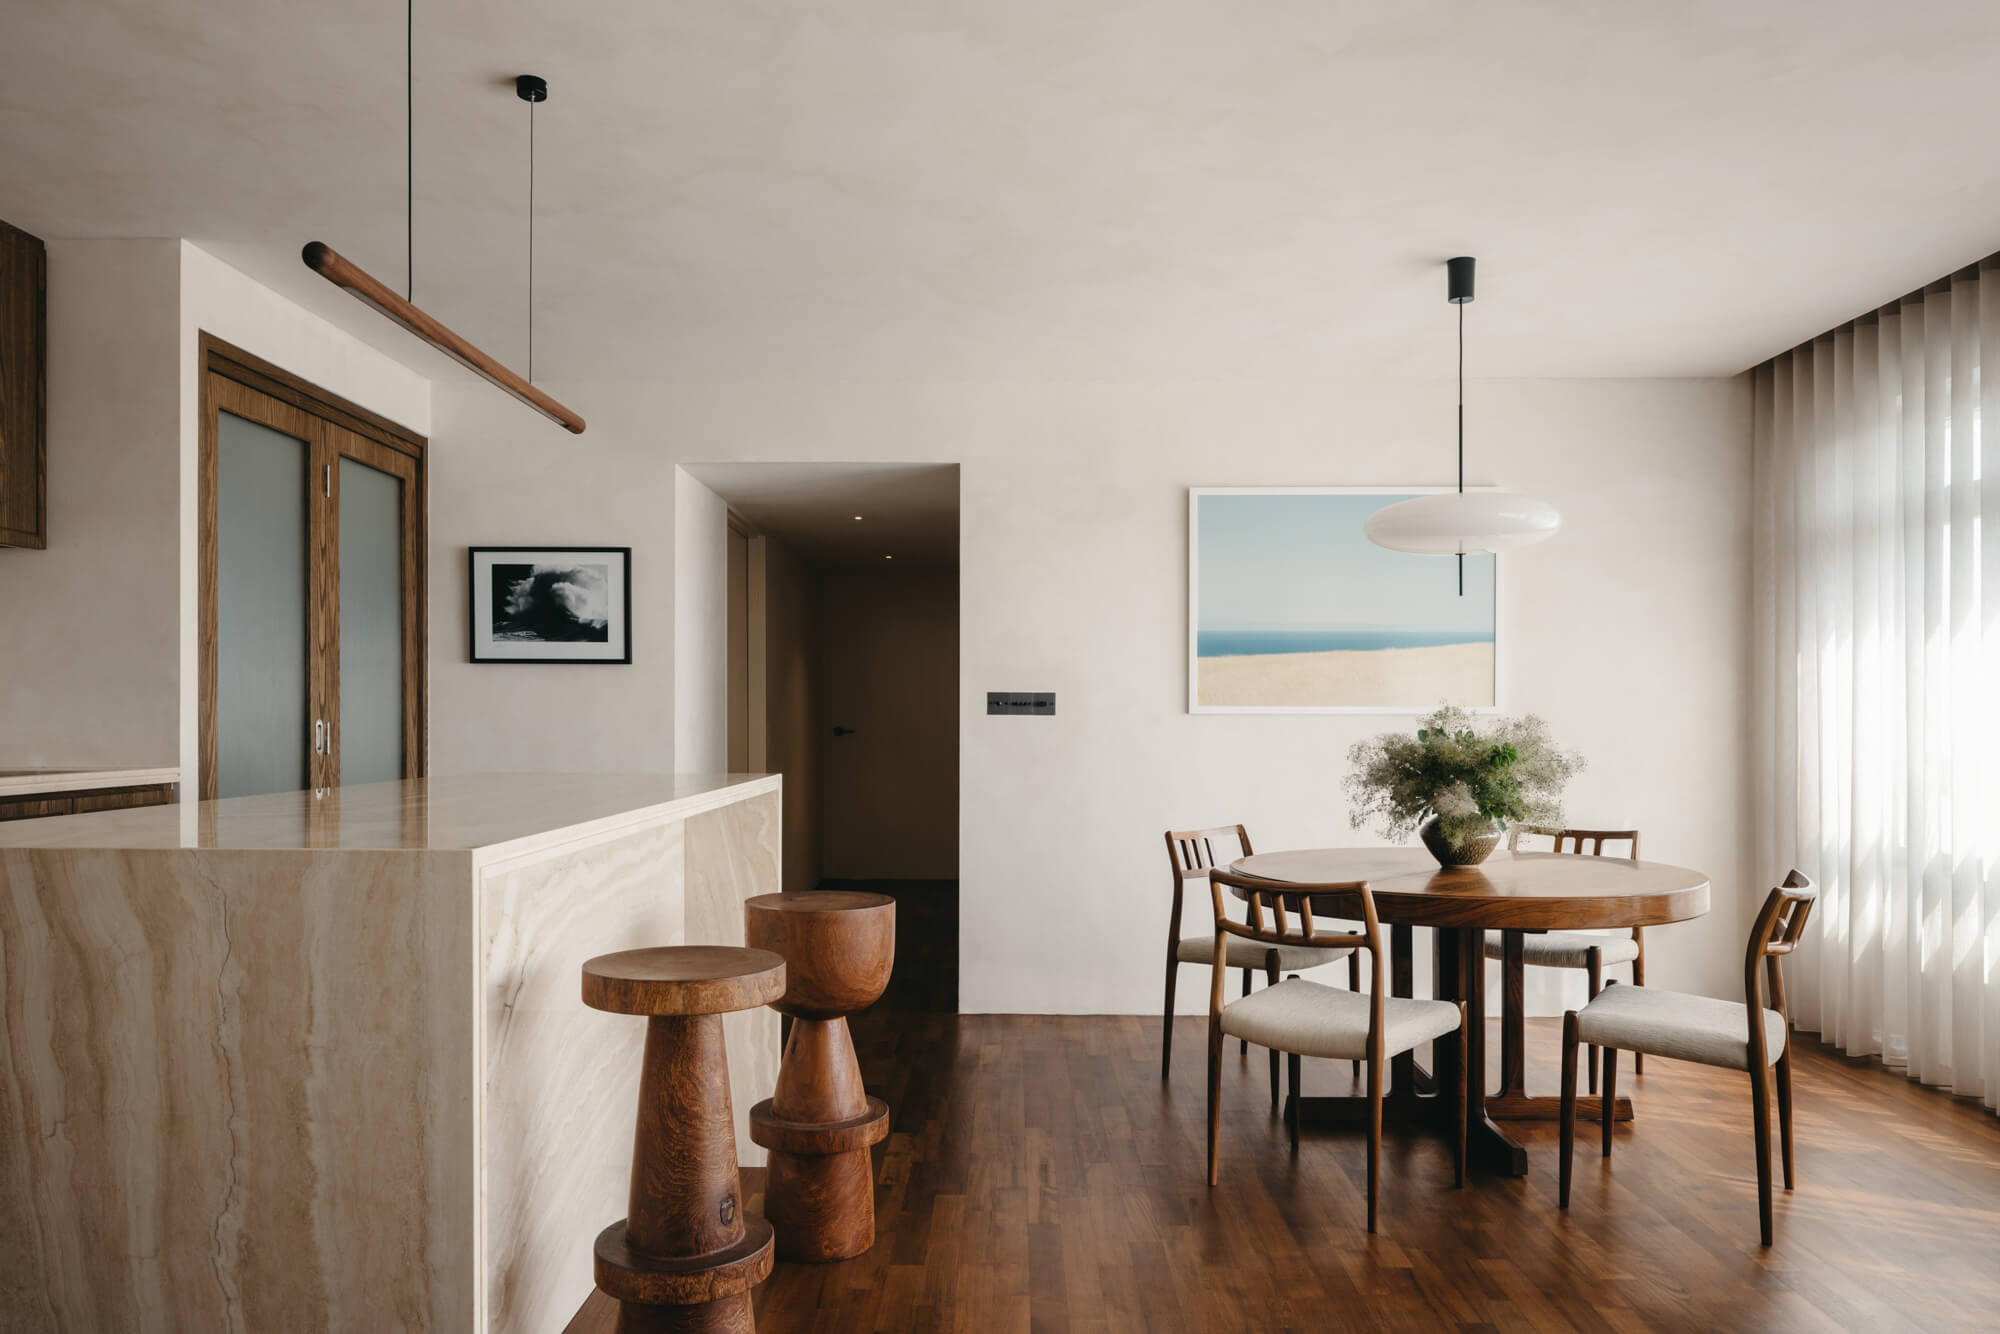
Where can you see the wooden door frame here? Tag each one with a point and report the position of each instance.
(231, 363)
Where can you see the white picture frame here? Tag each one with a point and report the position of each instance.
(1227, 697)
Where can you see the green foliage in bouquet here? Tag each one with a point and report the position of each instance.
(1471, 777)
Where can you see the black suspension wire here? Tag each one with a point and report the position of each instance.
(1461, 398)
(531, 243)
(410, 151)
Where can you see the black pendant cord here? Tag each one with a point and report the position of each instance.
(1461, 435)
(531, 243)
(410, 152)
(1461, 398)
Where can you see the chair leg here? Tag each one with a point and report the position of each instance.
(1214, 1093)
(1374, 1135)
(1292, 1112)
(1271, 979)
(1760, 1131)
(1167, 1023)
(1568, 1109)
(1594, 970)
(1785, 1111)
(1639, 980)
(1460, 1120)
(1354, 985)
(1244, 1048)
(1607, 1111)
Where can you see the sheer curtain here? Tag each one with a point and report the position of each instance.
(1877, 632)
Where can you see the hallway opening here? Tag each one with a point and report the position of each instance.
(842, 593)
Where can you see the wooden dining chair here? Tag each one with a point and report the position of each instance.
(1191, 853)
(1709, 1031)
(1581, 949)
(1303, 1018)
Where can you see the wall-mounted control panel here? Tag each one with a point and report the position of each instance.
(1039, 703)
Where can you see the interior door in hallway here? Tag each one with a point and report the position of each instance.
(890, 672)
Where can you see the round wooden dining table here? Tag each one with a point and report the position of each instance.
(1515, 893)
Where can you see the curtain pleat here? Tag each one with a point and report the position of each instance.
(1876, 662)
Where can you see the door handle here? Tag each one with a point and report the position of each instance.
(319, 736)
(842, 731)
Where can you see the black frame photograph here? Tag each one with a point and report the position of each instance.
(550, 604)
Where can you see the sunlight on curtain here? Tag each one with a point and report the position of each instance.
(1877, 588)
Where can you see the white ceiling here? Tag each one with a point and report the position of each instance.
(908, 512)
(1036, 189)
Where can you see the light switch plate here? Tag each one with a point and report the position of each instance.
(1033, 703)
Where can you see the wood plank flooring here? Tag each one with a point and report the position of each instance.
(1040, 1177)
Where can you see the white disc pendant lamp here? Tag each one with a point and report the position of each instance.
(1461, 522)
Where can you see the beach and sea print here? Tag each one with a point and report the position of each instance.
(1293, 609)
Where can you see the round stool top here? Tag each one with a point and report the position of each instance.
(683, 979)
(838, 947)
(818, 901)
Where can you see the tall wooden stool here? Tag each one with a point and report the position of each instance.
(819, 1192)
(684, 1258)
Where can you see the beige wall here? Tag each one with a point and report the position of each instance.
(794, 722)
(700, 657)
(101, 664)
(1628, 632)
(890, 655)
(89, 671)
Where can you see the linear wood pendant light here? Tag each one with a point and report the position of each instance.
(329, 264)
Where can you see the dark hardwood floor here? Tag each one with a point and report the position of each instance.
(1040, 1177)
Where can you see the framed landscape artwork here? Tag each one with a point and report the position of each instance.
(551, 604)
(1291, 609)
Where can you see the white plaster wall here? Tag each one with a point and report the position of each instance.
(219, 300)
(89, 667)
(701, 628)
(1629, 632)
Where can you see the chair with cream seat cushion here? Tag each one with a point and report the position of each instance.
(1192, 854)
(1313, 1020)
(1249, 954)
(1303, 1018)
(1705, 1030)
(1671, 1023)
(1572, 949)
(1580, 949)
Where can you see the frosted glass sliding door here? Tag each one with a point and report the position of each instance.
(312, 632)
(371, 624)
(262, 572)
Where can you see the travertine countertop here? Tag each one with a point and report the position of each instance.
(466, 812)
(29, 782)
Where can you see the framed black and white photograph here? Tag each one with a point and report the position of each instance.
(551, 604)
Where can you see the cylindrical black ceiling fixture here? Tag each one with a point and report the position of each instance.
(1458, 279)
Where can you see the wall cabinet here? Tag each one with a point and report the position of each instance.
(23, 389)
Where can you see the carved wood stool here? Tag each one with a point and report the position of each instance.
(819, 1192)
(685, 1257)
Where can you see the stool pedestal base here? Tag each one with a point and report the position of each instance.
(819, 1188)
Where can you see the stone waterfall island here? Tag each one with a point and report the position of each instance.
(298, 1062)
